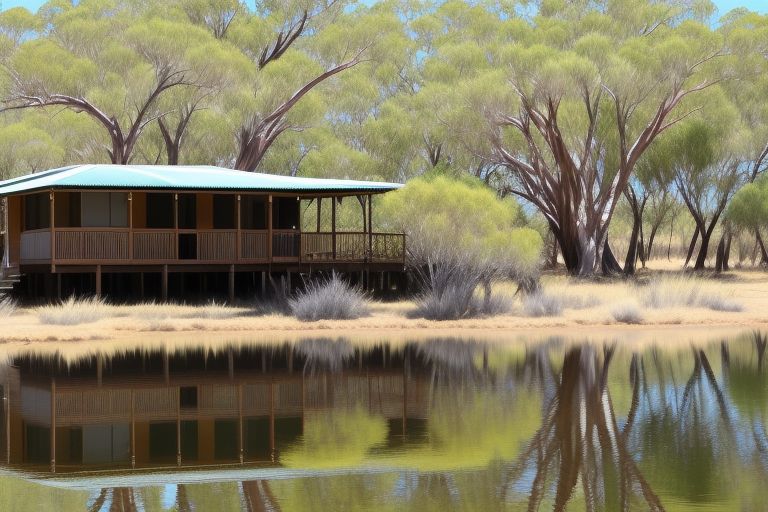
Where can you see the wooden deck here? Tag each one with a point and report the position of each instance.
(128, 246)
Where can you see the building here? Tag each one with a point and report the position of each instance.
(136, 231)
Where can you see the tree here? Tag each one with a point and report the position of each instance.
(572, 107)
(707, 173)
(461, 236)
(115, 72)
(749, 209)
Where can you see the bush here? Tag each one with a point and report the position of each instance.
(628, 313)
(329, 299)
(720, 303)
(74, 311)
(542, 304)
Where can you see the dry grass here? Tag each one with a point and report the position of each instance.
(74, 311)
(684, 290)
(8, 306)
(627, 313)
(329, 299)
(746, 289)
(543, 304)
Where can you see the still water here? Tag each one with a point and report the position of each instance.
(443, 424)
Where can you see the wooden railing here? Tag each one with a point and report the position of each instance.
(217, 245)
(76, 244)
(36, 245)
(88, 245)
(353, 247)
(286, 245)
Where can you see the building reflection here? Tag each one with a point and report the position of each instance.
(195, 408)
(588, 426)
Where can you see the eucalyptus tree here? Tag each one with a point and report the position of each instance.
(708, 170)
(575, 95)
(99, 59)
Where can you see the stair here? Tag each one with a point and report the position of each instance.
(8, 278)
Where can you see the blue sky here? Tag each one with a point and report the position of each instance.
(723, 5)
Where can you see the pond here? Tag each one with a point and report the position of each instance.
(437, 424)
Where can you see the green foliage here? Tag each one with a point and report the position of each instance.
(446, 219)
(749, 207)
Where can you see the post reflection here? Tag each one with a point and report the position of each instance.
(442, 422)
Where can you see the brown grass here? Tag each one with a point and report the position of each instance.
(588, 307)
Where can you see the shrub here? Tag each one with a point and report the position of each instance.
(542, 304)
(74, 311)
(7, 306)
(496, 304)
(628, 313)
(329, 299)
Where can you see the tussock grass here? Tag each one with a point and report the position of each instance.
(8, 306)
(669, 292)
(543, 304)
(74, 311)
(627, 313)
(329, 299)
(450, 302)
(497, 304)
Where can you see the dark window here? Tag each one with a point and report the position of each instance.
(225, 439)
(253, 212)
(160, 211)
(38, 444)
(187, 211)
(188, 397)
(37, 211)
(67, 210)
(187, 246)
(224, 212)
(162, 441)
(188, 440)
(286, 213)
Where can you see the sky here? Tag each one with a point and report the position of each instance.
(723, 5)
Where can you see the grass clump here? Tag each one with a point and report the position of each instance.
(7, 306)
(627, 313)
(542, 304)
(74, 311)
(668, 292)
(329, 299)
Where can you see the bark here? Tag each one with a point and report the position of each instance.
(720, 255)
(174, 138)
(763, 252)
(692, 246)
(609, 264)
(122, 141)
(256, 137)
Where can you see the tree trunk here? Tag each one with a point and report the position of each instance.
(692, 246)
(609, 264)
(651, 238)
(701, 258)
(763, 252)
(631, 259)
(720, 256)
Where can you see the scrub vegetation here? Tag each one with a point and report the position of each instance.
(582, 138)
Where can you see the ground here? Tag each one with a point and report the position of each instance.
(590, 310)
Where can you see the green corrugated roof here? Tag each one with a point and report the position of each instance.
(180, 177)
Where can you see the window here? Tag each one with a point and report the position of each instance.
(224, 212)
(253, 212)
(187, 211)
(104, 209)
(37, 211)
(160, 211)
(286, 213)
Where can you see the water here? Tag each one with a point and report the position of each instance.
(442, 424)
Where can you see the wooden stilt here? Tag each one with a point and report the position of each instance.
(58, 286)
(53, 425)
(98, 280)
(231, 284)
(263, 284)
(164, 284)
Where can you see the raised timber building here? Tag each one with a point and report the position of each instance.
(143, 231)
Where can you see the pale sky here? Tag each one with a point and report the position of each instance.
(723, 5)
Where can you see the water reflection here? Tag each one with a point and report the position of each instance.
(430, 425)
